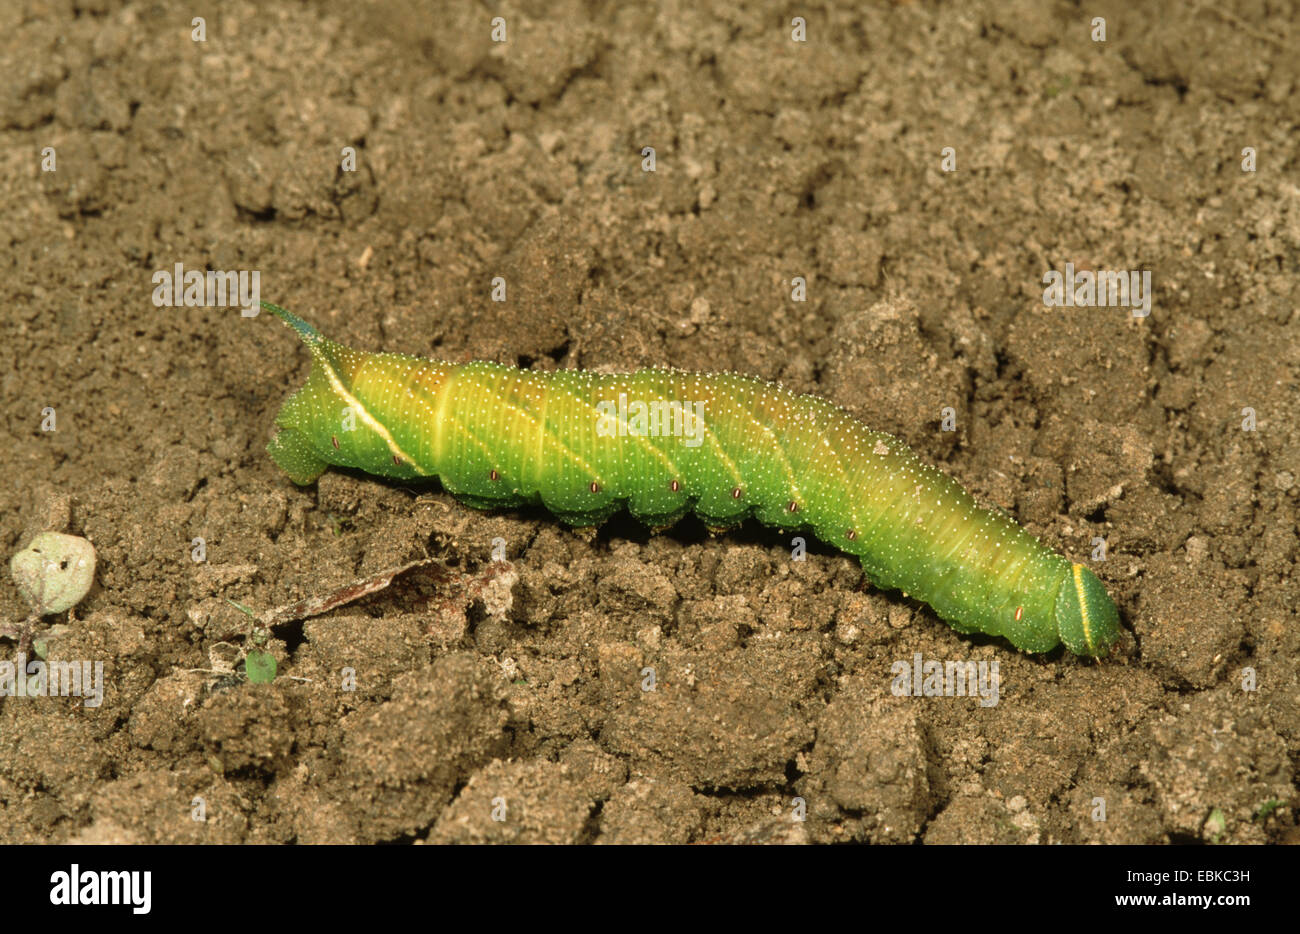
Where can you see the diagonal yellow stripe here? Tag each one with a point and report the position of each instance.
(354, 403)
(442, 417)
(785, 461)
(644, 442)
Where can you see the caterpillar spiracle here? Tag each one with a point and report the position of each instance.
(663, 442)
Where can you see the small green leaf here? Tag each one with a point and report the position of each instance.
(241, 608)
(1215, 825)
(260, 667)
(1267, 808)
(341, 523)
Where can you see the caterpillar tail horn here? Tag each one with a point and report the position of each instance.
(308, 333)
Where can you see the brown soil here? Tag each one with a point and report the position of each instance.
(775, 159)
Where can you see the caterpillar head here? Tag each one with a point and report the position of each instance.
(1086, 618)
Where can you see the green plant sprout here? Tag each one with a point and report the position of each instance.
(259, 665)
(1215, 825)
(341, 524)
(1268, 807)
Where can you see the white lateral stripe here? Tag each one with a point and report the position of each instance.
(354, 403)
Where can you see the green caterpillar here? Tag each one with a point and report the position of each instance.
(664, 442)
